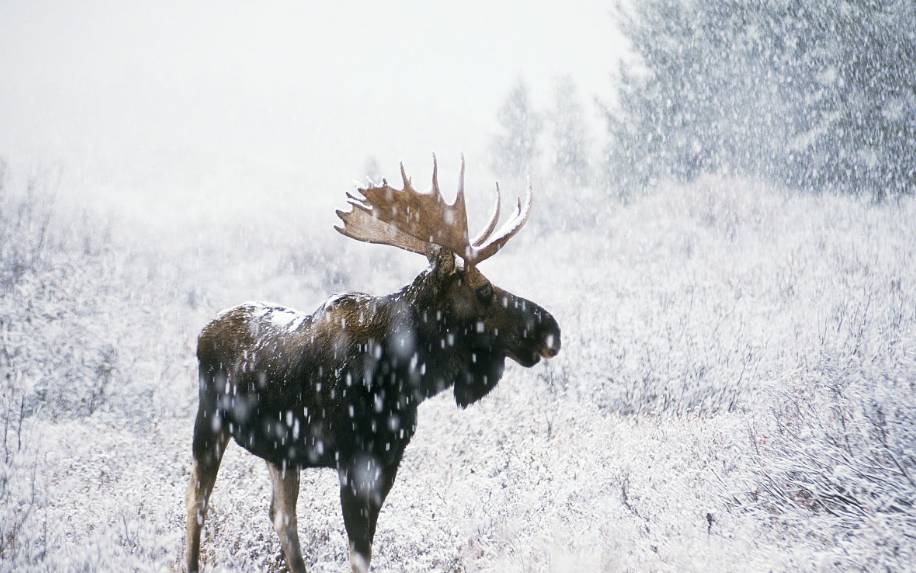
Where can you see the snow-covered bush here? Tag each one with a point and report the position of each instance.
(734, 392)
(835, 457)
(58, 286)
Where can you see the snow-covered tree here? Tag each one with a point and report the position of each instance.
(569, 139)
(514, 149)
(811, 94)
(853, 92)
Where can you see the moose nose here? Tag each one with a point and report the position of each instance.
(550, 337)
(551, 345)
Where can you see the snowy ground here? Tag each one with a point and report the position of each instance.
(736, 391)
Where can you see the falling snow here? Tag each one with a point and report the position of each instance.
(732, 262)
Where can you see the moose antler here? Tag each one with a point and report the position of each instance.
(417, 222)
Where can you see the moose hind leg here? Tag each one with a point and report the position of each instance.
(285, 482)
(209, 444)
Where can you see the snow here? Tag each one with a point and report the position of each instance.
(279, 317)
(736, 389)
(717, 339)
(286, 319)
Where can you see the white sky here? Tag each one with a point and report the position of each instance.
(152, 102)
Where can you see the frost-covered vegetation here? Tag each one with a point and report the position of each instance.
(735, 391)
(735, 279)
(817, 95)
(814, 95)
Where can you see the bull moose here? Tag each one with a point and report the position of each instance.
(339, 388)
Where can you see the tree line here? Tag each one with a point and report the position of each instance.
(819, 96)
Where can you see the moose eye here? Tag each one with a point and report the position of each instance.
(485, 293)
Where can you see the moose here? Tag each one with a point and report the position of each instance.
(340, 388)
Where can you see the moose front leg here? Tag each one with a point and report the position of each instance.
(285, 482)
(364, 487)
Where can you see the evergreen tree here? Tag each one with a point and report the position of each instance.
(514, 151)
(811, 94)
(568, 135)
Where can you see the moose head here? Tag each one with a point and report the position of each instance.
(480, 323)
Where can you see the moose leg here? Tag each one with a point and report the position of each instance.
(285, 483)
(208, 447)
(361, 498)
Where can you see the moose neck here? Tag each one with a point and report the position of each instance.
(432, 349)
(416, 320)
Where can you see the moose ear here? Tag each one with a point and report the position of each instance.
(442, 261)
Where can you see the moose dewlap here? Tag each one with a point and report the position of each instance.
(340, 388)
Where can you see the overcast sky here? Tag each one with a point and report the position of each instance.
(152, 101)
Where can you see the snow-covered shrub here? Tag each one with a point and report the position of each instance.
(836, 457)
(23, 494)
(58, 353)
(54, 360)
(725, 347)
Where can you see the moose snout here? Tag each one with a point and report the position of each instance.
(549, 336)
(535, 335)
